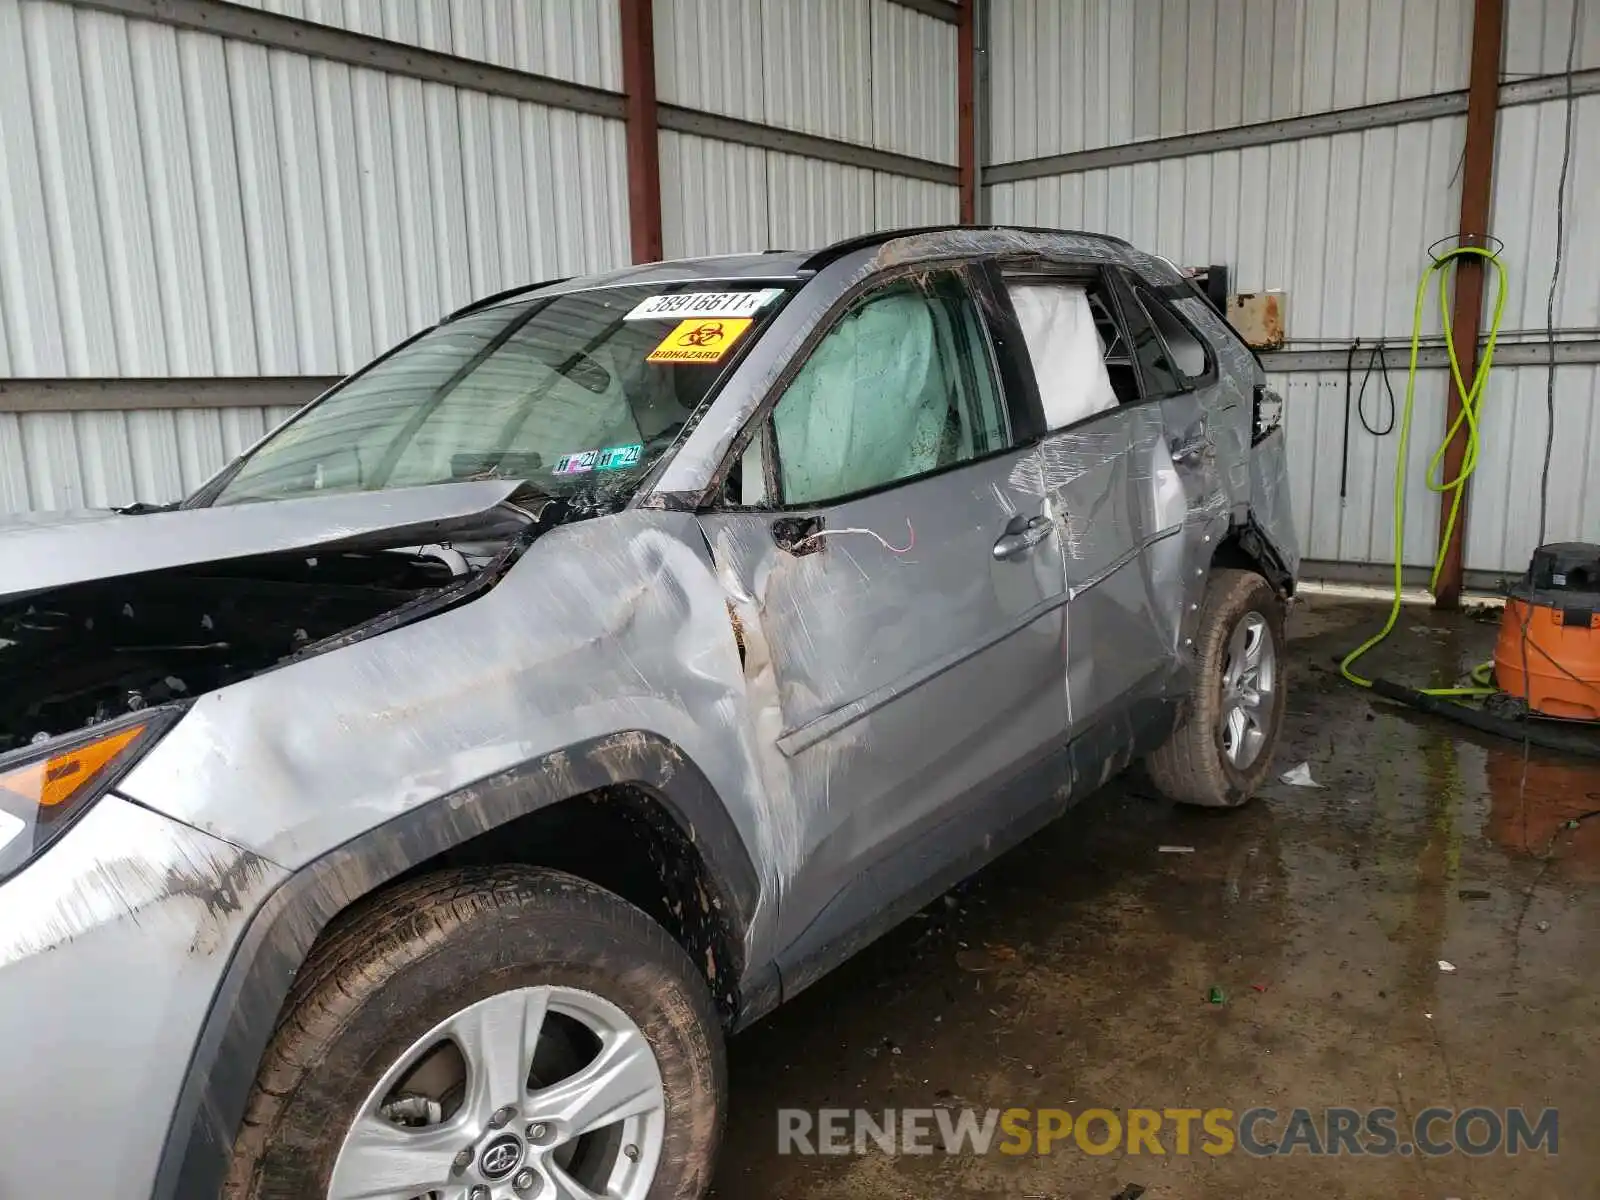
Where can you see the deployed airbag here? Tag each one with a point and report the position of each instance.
(1067, 357)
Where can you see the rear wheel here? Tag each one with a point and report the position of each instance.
(1223, 750)
(500, 1034)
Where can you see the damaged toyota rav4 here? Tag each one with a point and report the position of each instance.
(413, 810)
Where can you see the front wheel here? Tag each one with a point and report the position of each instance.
(1222, 752)
(491, 1034)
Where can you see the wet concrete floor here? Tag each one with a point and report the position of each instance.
(1076, 971)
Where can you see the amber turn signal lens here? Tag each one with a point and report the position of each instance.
(55, 780)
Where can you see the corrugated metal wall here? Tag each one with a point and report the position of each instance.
(864, 71)
(577, 40)
(1079, 74)
(1341, 223)
(174, 203)
(721, 198)
(97, 459)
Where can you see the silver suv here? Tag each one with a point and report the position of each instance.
(412, 810)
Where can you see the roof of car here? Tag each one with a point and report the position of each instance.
(783, 265)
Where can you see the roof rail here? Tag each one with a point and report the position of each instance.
(837, 250)
(486, 301)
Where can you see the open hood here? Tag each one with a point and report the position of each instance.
(51, 550)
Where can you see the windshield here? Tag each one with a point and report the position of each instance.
(577, 394)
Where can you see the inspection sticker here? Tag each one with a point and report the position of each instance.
(613, 458)
(703, 304)
(699, 341)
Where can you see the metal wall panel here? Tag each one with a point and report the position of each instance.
(1072, 75)
(1342, 223)
(1537, 34)
(913, 82)
(96, 459)
(906, 203)
(1522, 213)
(709, 56)
(1503, 504)
(713, 197)
(1503, 517)
(175, 204)
(865, 71)
(1359, 528)
(816, 65)
(576, 40)
(720, 198)
(811, 203)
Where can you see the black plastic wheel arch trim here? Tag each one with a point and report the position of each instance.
(244, 1012)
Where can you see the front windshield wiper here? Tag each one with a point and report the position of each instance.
(141, 508)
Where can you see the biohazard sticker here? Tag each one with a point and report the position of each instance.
(702, 304)
(699, 341)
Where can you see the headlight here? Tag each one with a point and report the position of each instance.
(45, 788)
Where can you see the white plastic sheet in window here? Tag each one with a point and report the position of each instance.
(1066, 352)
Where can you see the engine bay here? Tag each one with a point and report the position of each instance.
(86, 653)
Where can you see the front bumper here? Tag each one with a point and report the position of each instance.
(112, 945)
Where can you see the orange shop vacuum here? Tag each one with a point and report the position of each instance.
(1546, 684)
(1548, 653)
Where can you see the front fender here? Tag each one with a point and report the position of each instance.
(280, 935)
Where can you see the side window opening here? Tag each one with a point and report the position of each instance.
(1158, 375)
(901, 386)
(1184, 347)
(1082, 359)
(1116, 349)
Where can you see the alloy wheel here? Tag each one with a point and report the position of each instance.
(540, 1093)
(1249, 679)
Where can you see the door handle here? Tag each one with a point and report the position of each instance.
(1191, 451)
(1022, 534)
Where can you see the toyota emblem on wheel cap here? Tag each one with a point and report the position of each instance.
(500, 1157)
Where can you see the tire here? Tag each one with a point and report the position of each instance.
(426, 952)
(1193, 766)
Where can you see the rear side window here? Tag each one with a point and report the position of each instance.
(1185, 349)
(1071, 339)
(1160, 377)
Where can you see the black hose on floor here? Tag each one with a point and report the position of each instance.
(1534, 733)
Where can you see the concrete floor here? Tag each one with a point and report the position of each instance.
(1074, 972)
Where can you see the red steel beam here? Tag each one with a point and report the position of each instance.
(643, 134)
(1466, 315)
(966, 85)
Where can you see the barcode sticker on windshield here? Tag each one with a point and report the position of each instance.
(702, 304)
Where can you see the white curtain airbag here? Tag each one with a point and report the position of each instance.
(1067, 358)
